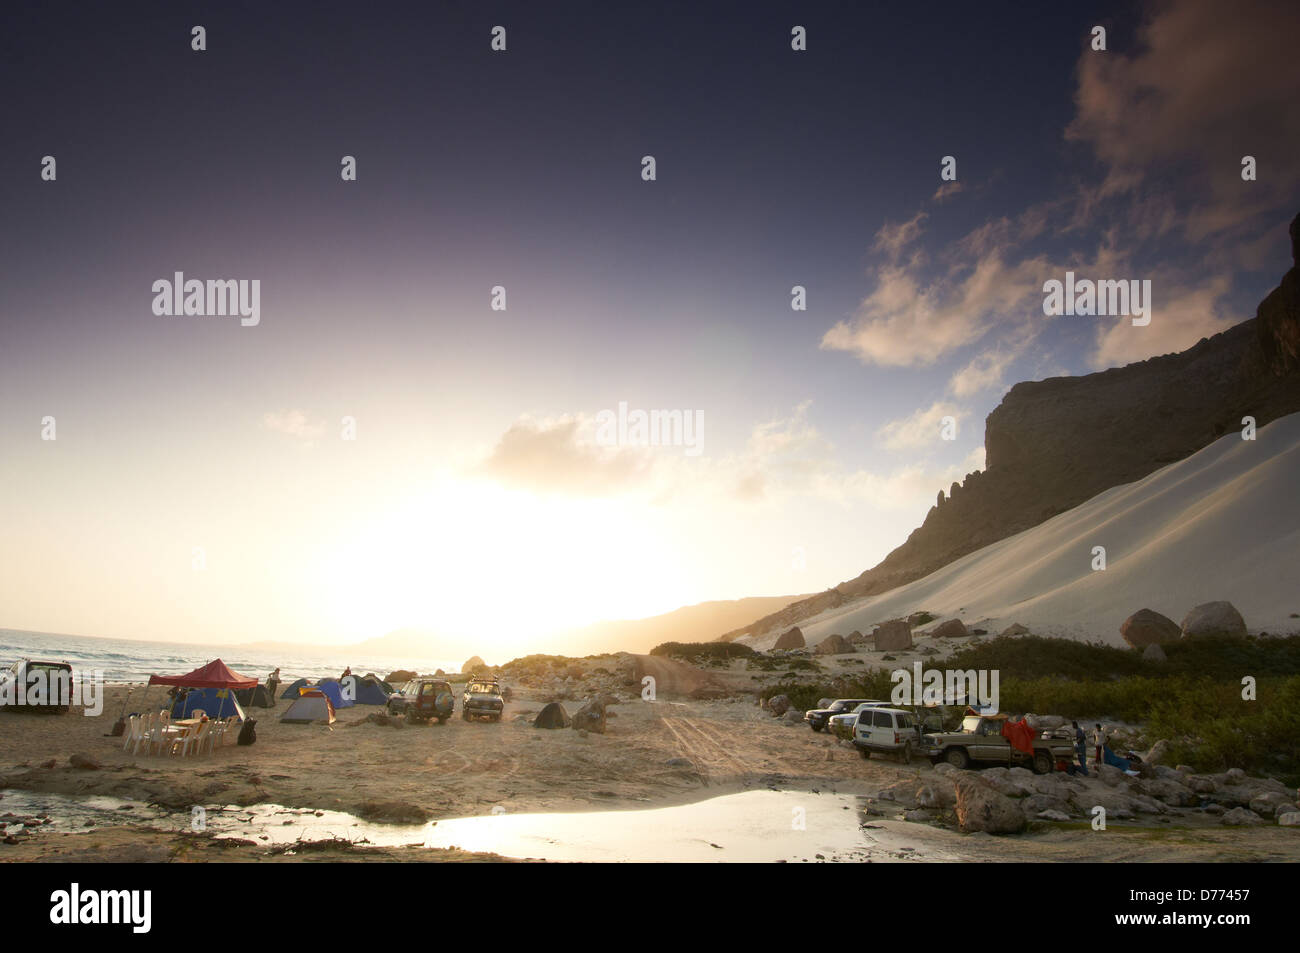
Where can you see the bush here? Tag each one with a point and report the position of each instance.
(702, 651)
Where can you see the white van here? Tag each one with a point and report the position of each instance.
(890, 730)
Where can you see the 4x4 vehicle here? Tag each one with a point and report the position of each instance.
(888, 730)
(841, 726)
(981, 741)
(482, 699)
(423, 698)
(31, 685)
(817, 718)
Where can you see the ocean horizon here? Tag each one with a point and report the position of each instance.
(131, 661)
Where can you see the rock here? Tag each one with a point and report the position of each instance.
(792, 717)
(1184, 769)
(1234, 775)
(1053, 816)
(397, 678)
(917, 816)
(833, 645)
(392, 812)
(590, 717)
(1289, 820)
(892, 636)
(84, 762)
(1214, 619)
(472, 665)
(824, 702)
(857, 638)
(944, 768)
(1242, 817)
(1148, 627)
(952, 629)
(1044, 721)
(940, 794)
(1169, 791)
(678, 763)
(980, 808)
(929, 651)
(1035, 804)
(790, 639)
(1201, 785)
(1110, 775)
(1014, 629)
(1004, 785)
(1154, 653)
(1267, 804)
(778, 705)
(919, 618)
(1156, 753)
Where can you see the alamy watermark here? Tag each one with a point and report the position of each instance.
(216, 296)
(41, 686)
(976, 688)
(651, 428)
(1122, 297)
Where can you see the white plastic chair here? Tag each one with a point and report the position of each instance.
(195, 739)
(132, 726)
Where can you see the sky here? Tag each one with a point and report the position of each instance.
(384, 448)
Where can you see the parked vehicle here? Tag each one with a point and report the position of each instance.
(980, 741)
(422, 699)
(482, 699)
(889, 731)
(818, 718)
(34, 685)
(841, 726)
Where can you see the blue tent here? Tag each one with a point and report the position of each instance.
(216, 702)
(366, 691)
(294, 690)
(330, 686)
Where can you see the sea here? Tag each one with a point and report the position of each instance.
(127, 661)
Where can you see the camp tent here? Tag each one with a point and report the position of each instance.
(207, 686)
(313, 705)
(330, 687)
(213, 702)
(294, 690)
(366, 691)
(257, 697)
(552, 716)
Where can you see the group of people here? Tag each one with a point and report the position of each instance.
(1099, 740)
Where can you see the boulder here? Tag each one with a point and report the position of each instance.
(857, 638)
(1053, 816)
(1214, 619)
(1289, 820)
(891, 636)
(792, 717)
(952, 629)
(778, 705)
(473, 664)
(833, 645)
(1044, 721)
(1266, 804)
(1014, 629)
(1170, 792)
(1148, 627)
(1036, 804)
(1154, 653)
(937, 793)
(919, 618)
(980, 808)
(824, 702)
(1156, 753)
(790, 639)
(84, 762)
(1242, 817)
(401, 675)
(590, 717)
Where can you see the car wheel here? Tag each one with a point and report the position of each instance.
(815, 726)
(1043, 763)
(957, 757)
(866, 755)
(464, 716)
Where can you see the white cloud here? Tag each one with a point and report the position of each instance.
(919, 429)
(984, 371)
(293, 423)
(1175, 325)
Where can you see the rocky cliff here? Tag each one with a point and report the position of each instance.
(1050, 445)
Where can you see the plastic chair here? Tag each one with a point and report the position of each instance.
(195, 739)
(128, 736)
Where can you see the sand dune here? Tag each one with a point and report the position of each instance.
(1222, 524)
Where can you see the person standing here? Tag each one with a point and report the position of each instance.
(1099, 740)
(1081, 748)
(273, 686)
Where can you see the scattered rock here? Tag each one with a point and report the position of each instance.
(778, 705)
(1148, 627)
(1052, 816)
(1014, 629)
(833, 645)
(792, 638)
(1242, 817)
(1289, 820)
(590, 717)
(792, 717)
(891, 636)
(1154, 653)
(952, 629)
(84, 762)
(981, 808)
(1214, 619)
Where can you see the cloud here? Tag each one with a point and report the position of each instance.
(1204, 87)
(892, 239)
(552, 456)
(945, 192)
(922, 428)
(984, 371)
(293, 423)
(1175, 326)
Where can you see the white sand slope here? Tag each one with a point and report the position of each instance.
(1221, 524)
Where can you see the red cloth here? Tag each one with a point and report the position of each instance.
(1020, 734)
(213, 675)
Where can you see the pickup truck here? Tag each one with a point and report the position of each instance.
(980, 741)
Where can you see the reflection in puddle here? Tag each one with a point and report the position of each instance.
(754, 826)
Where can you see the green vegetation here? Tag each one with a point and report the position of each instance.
(702, 652)
(1193, 701)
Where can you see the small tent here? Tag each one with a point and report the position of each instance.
(313, 705)
(213, 702)
(552, 715)
(294, 690)
(257, 697)
(332, 690)
(366, 691)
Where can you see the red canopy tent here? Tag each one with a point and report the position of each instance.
(215, 674)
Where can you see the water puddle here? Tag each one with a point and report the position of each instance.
(753, 826)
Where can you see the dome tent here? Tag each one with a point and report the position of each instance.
(311, 706)
(294, 690)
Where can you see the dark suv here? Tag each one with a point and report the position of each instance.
(30, 685)
(818, 717)
(482, 699)
(423, 698)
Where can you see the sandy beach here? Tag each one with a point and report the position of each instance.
(675, 750)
